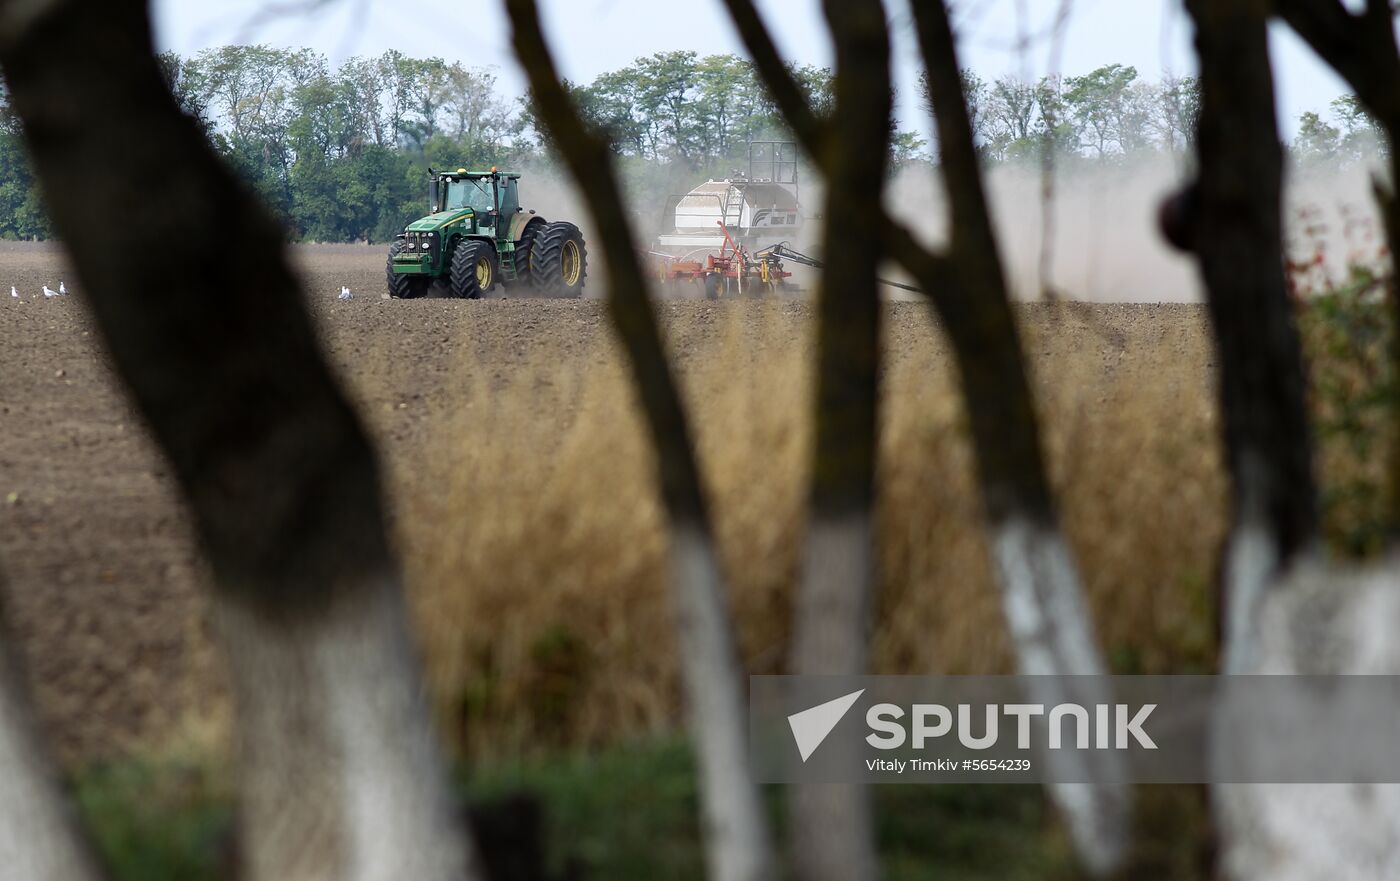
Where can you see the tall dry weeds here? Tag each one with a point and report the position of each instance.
(535, 551)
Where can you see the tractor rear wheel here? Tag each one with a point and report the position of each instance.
(522, 252)
(559, 260)
(403, 287)
(473, 271)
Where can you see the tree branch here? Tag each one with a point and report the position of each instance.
(968, 290)
(191, 289)
(1051, 629)
(1361, 48)
(738, 846)
(977, 309)
(993, 376)
(832, 826)
(809, 129)
(1237, 234)
(588, 159)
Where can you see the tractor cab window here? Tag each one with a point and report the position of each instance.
(467, 193)
(510, 197)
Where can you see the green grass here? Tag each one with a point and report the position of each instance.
(166, 823)
(629, 813)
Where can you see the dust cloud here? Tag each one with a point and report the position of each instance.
(1332, 215)
(1103, 230)
(1102, 225)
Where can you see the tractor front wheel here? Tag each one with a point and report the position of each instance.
(403, 287)
(473, 271)
(559, 260)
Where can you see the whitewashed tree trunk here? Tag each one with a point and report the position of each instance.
(340, 776)
(1320, 619)
(1252, 563)
(737, 837)
(39, 840)
(834, 840)
(341, 779)
(1051, 632)
(1053, 637)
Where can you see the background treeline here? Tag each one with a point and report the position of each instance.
(340, 151)
(1109, 114)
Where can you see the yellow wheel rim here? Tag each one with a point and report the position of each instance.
(483, 273)
(571, 264)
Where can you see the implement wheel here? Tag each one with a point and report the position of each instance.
(714, 285)
(559, 260)
(404, 287)
(473, 271)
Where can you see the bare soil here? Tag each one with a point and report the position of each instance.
(102, 568)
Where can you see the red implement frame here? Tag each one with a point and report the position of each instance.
(733, 263)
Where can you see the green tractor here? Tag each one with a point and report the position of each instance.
(478, 236)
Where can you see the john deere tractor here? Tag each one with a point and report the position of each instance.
(478, 236)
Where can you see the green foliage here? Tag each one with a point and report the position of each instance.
(626, 813)
(1107, 114)
(1317, 140)
(340, 152)
(1347, 135)
(22, 213)
(1346, 329)
(698, 112)
(171, 823)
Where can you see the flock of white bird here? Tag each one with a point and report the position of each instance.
(63, 292)
(48, 291)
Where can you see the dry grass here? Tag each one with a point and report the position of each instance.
(535, 543)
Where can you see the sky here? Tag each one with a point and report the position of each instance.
(591, 37)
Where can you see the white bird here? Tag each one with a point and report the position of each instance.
(49, 293)
(62, 290)
(345, 294)
(13, 292)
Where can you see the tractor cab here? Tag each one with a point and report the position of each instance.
(490, 195)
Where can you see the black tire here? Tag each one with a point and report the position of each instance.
(474, 269)
(522, 253)
(713, 285)
(404, 287)
(559, 260)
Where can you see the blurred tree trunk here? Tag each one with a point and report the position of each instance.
(187, 278)
(1234, 225)
(1287, 610)
(1040, 587)
(737, 840)
(832, 831)
(1362, 48)
(1041, 594)
(39, 839)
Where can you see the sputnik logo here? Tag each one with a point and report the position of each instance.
(810, 727)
